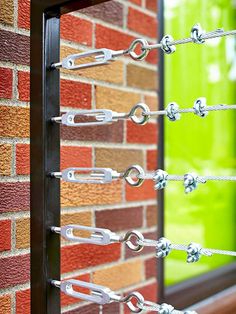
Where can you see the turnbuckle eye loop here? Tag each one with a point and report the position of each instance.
(196, 34)
(138, 171)
(143, 119)
(136, 245)
(193, 252)
(139, 301)
(168, 49)
(200, 107)
(144, 51)
(172, 111)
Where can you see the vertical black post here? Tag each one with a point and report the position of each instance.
(45, 157)
(160, 267)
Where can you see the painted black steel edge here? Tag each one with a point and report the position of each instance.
(199, 288)
(160, 194)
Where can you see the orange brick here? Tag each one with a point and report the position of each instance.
(151, 5)
(152, 159)
(112, 73)
(90, 194)
(75, 94)
(73, 156)
(147, 27)
(6, 78)
(5, 304)
(146, 134)
(5, 235)
(152, 102)
(144, 192)
(24, 14)
(119, 276)
(23, 302)
(22, 233)
(76, 29)
(108, 158)
(24, 86)
(151, 216)
(7, 12)
(140, 77)
(11, 118)
(22, 159)
(5, 159)
(81, 218)
(115, 99)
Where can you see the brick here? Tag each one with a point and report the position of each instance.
(76, 29)
(152, 102)
(11, 118)
(151, 267)
(73, 156)
(22, 233)
(138, 2)
(149, 292)
(119, 276)
(152, 159)
(106, 157)
(24, 86)
(7, 12)
(152, 5)
(6, 77)
(73, 195)
(152, 57)
(14, 47)
(24, 14)
(14, 196)
(151, 215)
(104, 133)
(23, 159)
(95, 309)
(120, 219)
(113, 39)
(81, 256)
(5, 235)
(140, 77)
(115, 99)
(23, 302)
(14, 270)
(5, 159)
(146, 134)
(111, 12)
(5, 304)
(146, 250)
(75, 94)
(67, 300)
(145, 192)
(103, 73)
(148, 26)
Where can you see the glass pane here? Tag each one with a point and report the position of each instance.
(201, 145)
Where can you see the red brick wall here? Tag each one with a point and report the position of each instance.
(116, 206)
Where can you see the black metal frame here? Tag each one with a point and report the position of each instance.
(201, 287)
(45, 149)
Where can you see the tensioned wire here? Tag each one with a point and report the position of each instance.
(201, 179)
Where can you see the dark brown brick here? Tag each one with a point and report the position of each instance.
(151, 267)
(14, 196)
(146, 250)
(106, 133)
(120, 219)
(111, 12)
(14, 270)
(14, 47)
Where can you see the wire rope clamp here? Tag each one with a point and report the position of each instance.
(163, 247)
(98, 236)
(190, 182)
(200, 107)
(193, 252)
(166, 309)
(172, 111)
(165, 44)
(160, 179)
(196, 34)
